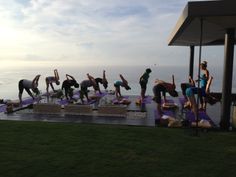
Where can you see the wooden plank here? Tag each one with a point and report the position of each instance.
(49, 108)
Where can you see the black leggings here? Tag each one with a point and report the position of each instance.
(157, 89)
(184, 87)
(21, 88)
(143, 85)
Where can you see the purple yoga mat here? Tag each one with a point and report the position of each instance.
(28, 101)
(167, 101)
(3, 108)
(201, 115)
(76, 97)
(89, 102)
(182, 100)
(147, 99)
(25, 102)
(115, 100)
(63, 102)
(101, 94)
(165, 112)
(76, 92)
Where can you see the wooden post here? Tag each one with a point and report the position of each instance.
(227, 79)
(191, 61)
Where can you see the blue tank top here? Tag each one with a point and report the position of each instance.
(118, 83)
(203, 81)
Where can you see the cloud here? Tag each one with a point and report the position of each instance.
(108, 31)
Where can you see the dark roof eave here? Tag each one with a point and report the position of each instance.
(204, 9)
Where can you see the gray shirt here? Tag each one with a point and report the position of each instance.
(86, 84)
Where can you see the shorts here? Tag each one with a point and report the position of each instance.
(194, 90)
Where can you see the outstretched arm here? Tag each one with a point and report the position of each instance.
(68, 77)
(35, 81)
(209, 84)
(173, 80)
(104, 76)
(191, 81)
(123, 80)
(207, 74)
(91, 78)
(56, 74)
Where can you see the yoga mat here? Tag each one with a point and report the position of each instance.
(101, 94)
(3, 107)
(25, 102)
(167, 101)
(182, 100)
(116, 101)
(90, 101)
(165, 113)
(147, 99)
(28, 101)
(63, 102)
(76, 92)
(76, 97)
(201, 115)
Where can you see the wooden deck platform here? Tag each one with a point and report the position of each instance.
(139, 115)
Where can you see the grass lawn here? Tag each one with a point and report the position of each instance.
(40, 149)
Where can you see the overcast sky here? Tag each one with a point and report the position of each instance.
(92, 32)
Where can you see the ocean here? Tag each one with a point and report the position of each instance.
(9, 77)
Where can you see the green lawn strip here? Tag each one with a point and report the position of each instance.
(65, 149)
